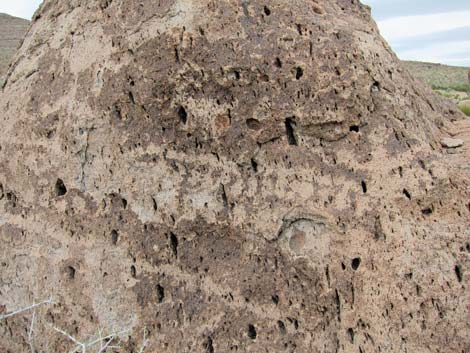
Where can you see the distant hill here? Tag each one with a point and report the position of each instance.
(439, 76)
(12, 31)
(449, 81)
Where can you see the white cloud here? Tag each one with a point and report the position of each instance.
(409, 26)
(455, 52)
(20, 8)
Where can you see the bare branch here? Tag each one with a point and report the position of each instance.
(101, 339)
(103, 348)
(31, 332)
(31, 307)
(112, 335)
(82, 347)
(144, 342)
(70, 337)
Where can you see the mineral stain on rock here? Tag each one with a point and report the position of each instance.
(228, 176)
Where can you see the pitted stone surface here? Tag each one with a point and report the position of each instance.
(234, 176)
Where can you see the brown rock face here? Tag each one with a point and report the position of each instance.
(234, 176)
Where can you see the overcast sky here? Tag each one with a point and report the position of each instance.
(19, 8)
(425, 30)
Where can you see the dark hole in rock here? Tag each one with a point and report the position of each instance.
(354, 128)
(294, 322)
(299, 72)
(174, 244)
(407, 194)
(114, 236)
(177, 56)
(224, 195)
(253, 124)
(267, 11)
(351, 335)
(278, 63)
(290, 132)
(12, 198)
(355, 263)
(133, 271)
(282, 327)
(70, 272)
(254, 165)
(160, 293)
(252, 332)
(116, 113)
(208, 345)
(183, 115)
(364, 186)
(131, 97)
(60, 189)
(427, 211)
(375, 87)
(458, 273)
(275, 299)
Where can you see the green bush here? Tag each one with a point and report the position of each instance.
(447, 94)
(439, 88)
(463, 87)
(465, 109)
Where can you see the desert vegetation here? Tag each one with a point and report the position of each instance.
(465, 109)
(449, 81)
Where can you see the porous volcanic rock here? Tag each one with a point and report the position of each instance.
(232, 176)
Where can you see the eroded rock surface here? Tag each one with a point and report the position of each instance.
(451, 142)
(235, 176)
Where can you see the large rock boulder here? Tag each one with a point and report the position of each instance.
(232, 176)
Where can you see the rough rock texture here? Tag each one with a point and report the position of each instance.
(235, 176)
(451, 142)
(12, 31)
